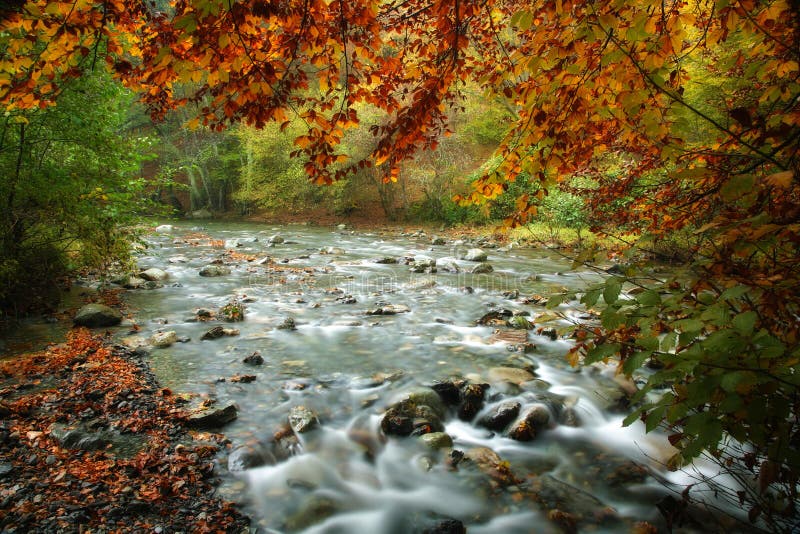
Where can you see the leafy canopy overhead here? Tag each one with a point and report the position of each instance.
(584, 77)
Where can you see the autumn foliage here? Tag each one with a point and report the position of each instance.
(87, 382)
(695, 104)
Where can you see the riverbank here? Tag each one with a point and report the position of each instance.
(90, 442)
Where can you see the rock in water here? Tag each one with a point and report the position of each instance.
(211, 419)
(287, 324)
(501, 416)
(254, 359)
(475, 254)
(447, 526)
(471, 400)
(437, 440)
(214, 270)
(530, 424)
(482, 268)
(154, 275)
(447, 265)
(436, 240)
(519, 322)
(164, 229)
(163, 339)
(389, 309)
(97, 315)
(301, 419)
(218, 332)
(275, 240)
(407, 418)
(512, 375)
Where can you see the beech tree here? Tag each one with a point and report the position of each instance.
(695, 101)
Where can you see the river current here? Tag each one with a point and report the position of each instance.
(582, 470)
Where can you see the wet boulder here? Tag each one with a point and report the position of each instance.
(97, 315)
(530, 424)
(437, 440)
(423, 264)
(214, 270)
(386, 260)
(501, 415)
(490, 464)
(406, 418)
(582, 507)
(446, 526)
(154, 275)
(511, 375)
(448, 391)
(482, 268)
(287, 324)
(426, 397)
(475, 254)
(302, 419)
(163, 339)
(495, 317)
(250, 456)
(254, 359)
(519, 322)
(447, 265)
(164, 229)
(218, 332)
(389, 309)
(211, 419)
(133, 282)
(436, 240)
(471, 400)
(275, 240)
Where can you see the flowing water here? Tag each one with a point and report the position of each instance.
(348, 366)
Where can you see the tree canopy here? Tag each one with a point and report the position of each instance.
(682, 114)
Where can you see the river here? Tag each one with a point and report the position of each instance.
(347, 366)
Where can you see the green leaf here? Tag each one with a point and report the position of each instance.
(601, 352)
(744, 323)
(689, 325)
(633, 417)
(654, 418)
(635, 361)
(734, 292)
(555, 300)
(668, 341)
(730, 380)
(649, 343)
(737, 186)
(611, 319)
(522, 19)
(612, 289)
(589, 298)
(649, 298)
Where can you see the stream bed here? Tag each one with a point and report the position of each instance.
(338, 329)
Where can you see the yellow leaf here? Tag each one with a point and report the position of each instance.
(224, 40)
(193, 124)
(380, 159)
(782, 180)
